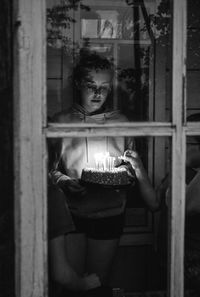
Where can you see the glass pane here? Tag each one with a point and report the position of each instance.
(193, 59)
(134, 81)
(106, 201)
(133, 36)
(192, 234)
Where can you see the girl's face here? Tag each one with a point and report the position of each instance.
(95, 90)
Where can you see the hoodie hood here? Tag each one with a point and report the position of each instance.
(100, 118)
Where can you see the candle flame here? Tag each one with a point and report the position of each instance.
(104, 161)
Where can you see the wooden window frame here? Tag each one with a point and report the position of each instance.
(31, 131)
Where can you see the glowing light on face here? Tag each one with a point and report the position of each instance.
(94, 92)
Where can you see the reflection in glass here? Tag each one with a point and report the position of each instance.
(133, 81)
(134, 35)
(115, 23)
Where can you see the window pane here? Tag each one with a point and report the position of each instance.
(133, 36)
(140, 262)
(134, 81)
(193, 59)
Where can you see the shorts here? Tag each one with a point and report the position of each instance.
(101, 228)
(59, 217)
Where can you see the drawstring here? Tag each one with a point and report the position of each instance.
(107, 144)
(87, 153)
(86, 141)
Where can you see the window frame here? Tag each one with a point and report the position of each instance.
(30, 153)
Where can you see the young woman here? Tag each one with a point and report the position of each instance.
(98, 213)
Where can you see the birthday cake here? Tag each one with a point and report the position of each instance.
(112, 177)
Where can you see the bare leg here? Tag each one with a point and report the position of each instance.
(63, 273)
(76, 245)
(100, 257)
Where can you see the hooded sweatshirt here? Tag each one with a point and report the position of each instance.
(68, 156)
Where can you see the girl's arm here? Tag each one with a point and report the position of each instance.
(146, 189)
(57, 175)
(63, 273)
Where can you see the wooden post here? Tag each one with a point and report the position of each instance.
(30, 174)
(176, 266)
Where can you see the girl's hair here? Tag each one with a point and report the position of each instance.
(87, 61)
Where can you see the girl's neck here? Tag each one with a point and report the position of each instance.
(83, 110)
(101, 110)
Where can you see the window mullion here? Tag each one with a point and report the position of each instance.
(29, 147)
(117, 129)
(177, 217)
(176, 265)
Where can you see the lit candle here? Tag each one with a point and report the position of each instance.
(104, 161)
(112, 162)
(98, 160)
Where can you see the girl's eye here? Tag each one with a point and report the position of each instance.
(91, 87)
(104, 89)
(101, 90)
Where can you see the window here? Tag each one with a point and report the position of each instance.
(32, 130)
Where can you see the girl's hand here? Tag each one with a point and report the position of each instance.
(74, 187)
(146, 189)
(133, 158)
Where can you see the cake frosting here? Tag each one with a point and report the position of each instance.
(113, 177)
